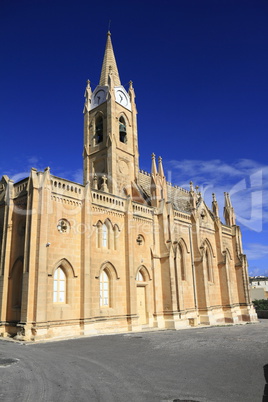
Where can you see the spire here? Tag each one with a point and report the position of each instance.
(109, 64)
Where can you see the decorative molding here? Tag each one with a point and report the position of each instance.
(66, 201)
(100, 210)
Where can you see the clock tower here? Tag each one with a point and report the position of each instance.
(110, 131)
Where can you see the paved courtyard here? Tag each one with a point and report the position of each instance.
(202, 364)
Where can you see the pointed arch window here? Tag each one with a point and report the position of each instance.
(116, 235)
(208, 266)
(122, 130)
(104, 289)
(59, 286)
(98, 234)
(99, 129)
(16, 277)
(181, 261)
(104, 235)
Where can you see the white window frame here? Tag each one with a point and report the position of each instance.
(104, 289)
(59, 286)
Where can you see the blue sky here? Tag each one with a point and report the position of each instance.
(199, 70)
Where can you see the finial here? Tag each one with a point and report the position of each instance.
(191, 186)
(109, 27)
(130, 84)
(196, 187)
(227, 199)
(95, 182)
(88, 83)
(214, 197)
(153, 156)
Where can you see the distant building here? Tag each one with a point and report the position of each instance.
(258, 286)
(123, 251)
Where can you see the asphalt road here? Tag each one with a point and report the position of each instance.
(222, 364)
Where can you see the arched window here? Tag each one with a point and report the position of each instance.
(122, 130)
(17, 274)
(181, 262)
(104, 289)
(59, 286)
(208, 266)
(116, 235)
(99, 234)
(99, 129)
(104, 235)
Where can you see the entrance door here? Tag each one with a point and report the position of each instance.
(141, 305)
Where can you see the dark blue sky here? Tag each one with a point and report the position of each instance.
(200, 73)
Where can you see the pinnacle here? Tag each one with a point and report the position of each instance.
(153, 168)
(160, 167)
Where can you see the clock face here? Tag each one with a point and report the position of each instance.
(99, 97)
(121, 98)
(123, 167)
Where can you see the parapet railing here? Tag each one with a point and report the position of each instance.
(66, 187)
(107, 200)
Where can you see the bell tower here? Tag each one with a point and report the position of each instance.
(110, 131)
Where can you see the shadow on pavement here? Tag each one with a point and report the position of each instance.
(265, 392)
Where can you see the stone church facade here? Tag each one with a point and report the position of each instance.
(126, 250)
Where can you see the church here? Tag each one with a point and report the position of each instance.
(124, 251)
